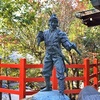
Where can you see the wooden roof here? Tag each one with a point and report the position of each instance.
(89, 17)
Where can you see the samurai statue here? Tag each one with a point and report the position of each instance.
(53, 39)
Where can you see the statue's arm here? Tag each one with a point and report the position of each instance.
(65, 41)
(40, 37)
(67, 44)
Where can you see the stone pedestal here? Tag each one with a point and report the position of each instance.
(49, 95)
(89, 93)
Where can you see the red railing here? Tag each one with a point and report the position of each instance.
(22, 79)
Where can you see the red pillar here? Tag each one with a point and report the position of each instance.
(95, 71)
(22, 87)
(86, 72)
(0, 83)
(54, 80)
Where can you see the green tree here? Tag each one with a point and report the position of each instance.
(20, 22)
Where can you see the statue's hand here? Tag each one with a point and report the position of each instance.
(39, 37)
(40, 34)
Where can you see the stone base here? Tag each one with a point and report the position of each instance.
(49, 95)
(89, 93)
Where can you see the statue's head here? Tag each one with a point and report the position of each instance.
(53, 21)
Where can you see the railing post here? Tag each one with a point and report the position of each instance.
(86, 72)
(0, 83)
(95, 71)
(54, 80)
(22, 85)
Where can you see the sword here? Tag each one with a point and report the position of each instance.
(75, 48)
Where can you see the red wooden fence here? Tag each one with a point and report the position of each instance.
(22, 79)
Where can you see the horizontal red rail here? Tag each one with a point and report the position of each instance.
(10, 65)
(92, 76)
(74, 78)
(31, 92)
(39, 79)
(34, 66)
(92, 65)
(98, 72)
(67, 66)
(75, 66)
(9, 91)
(98, 64)
(9, 78)
(72, 91)
(98, 82)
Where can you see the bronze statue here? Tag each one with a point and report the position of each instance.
(53, 39)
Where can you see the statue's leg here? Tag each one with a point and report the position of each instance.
(48, 84)
(60, 68)
(61, 86)
(47, 72)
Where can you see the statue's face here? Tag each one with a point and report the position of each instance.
(53, 24)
